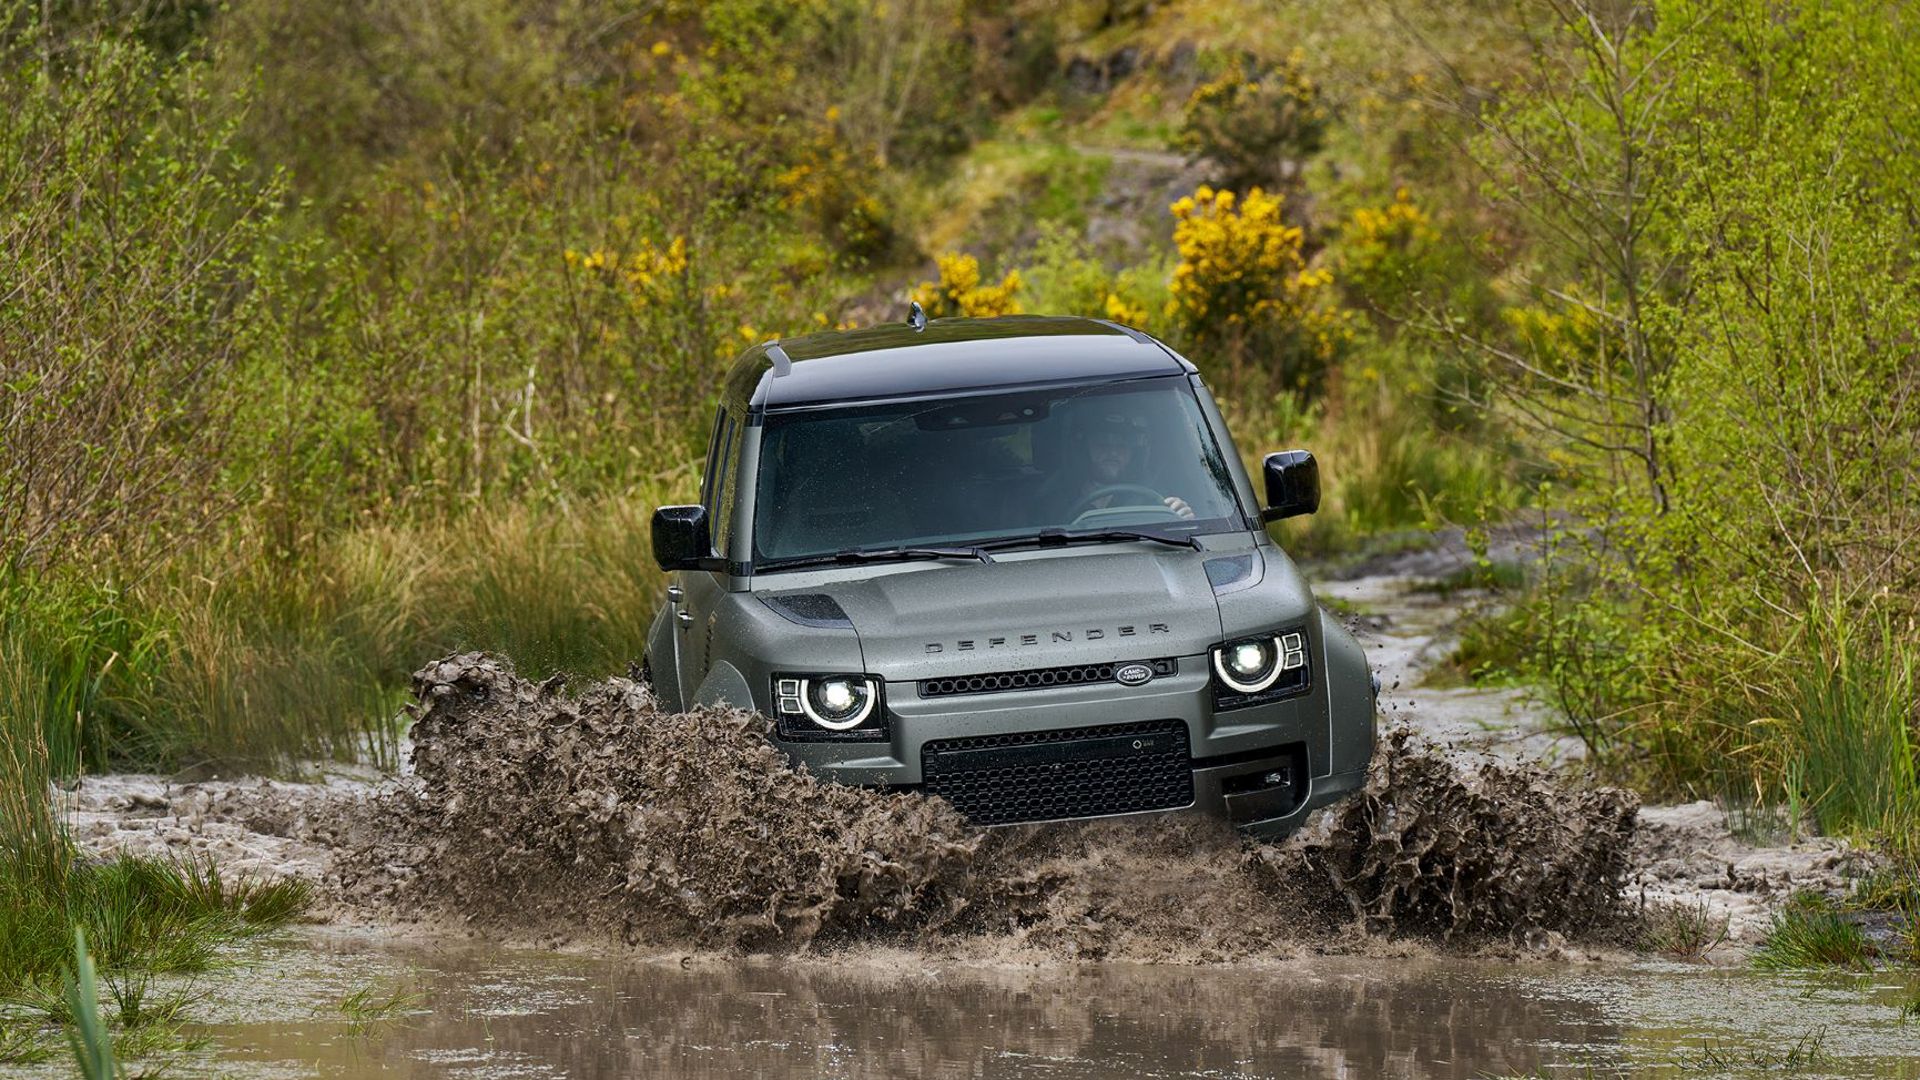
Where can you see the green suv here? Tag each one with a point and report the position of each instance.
(1013, 562)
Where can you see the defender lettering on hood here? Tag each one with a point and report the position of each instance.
(1051, 637)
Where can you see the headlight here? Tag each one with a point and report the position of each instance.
(829, 703)
(1251, 665)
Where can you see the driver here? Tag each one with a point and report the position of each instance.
(1109, 449)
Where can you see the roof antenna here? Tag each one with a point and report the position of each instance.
(916, 315)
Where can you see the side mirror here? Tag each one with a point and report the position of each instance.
(1293, 485)
(681, 538)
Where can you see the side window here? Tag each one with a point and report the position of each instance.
(719, 467)
(726, 485)
(714, 443)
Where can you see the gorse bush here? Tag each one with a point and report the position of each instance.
(1256, 127)
(1244, 292)
(961, 291)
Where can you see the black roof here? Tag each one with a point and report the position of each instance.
(895, 360)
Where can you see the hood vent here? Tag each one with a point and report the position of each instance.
(817, 610)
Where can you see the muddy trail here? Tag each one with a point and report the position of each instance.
(589, 817)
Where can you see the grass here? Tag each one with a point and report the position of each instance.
(1493, 648)
(1001, 189)
(1682, 931)
(255, 665)
(71, 926)
(248, 664)
(1810, 933)
(144, 916)
(368, 1008)
(22, 1043)
(92, 1046)
(1809, 1051)
(1854, 711)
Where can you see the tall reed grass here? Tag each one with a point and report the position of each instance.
(249, 661)
(1854, 706)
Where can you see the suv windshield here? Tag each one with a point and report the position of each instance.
(1134, 457)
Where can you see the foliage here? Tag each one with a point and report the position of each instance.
(1063, 278)
(337, 337)
(128, 224)
(1708, 346)
(1809, 933)
(367, 1009)
(1244, 291)
(92, 1048)
(828, 183)
(1256, 127)
(1683, 931)
(960, 291)
(1388, 254)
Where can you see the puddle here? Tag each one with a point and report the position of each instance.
(491, 1012)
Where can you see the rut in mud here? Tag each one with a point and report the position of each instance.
(532, 810)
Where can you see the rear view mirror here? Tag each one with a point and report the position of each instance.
(681, 537)
(1293, 485)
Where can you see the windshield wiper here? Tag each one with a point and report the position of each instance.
(850, 556)
(1056, 537)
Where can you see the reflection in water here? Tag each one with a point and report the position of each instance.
(493, 1013)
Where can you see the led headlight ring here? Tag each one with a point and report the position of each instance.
(1248, 667)
(818, 698)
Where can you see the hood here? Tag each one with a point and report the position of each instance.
(1078, 606)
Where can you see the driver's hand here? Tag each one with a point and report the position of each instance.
(1179, 506)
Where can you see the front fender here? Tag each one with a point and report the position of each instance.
(663, 660)
(725, 685)
(1351, 714)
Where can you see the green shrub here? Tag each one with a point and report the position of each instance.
(1256, 125)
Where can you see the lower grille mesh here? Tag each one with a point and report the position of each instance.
(1080, 772)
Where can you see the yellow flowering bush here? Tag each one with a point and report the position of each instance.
(1256, 126)
(830, 183)
(1125, 310)
(960, 291)
(645, 275)
(1243, 285)
(1387, 252)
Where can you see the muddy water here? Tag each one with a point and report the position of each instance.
(489, 1012)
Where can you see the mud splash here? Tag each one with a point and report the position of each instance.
(1437, 845)
(530, 807)
(532, 811)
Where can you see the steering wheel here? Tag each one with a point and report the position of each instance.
(1086, 502)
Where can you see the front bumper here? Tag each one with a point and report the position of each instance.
(1262, 768)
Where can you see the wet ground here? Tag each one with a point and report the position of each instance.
(467, 1008)
(483, 1011)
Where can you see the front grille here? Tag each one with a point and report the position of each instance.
(1036, 678)
(1080, 772)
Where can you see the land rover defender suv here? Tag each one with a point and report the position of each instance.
(1013, 562)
